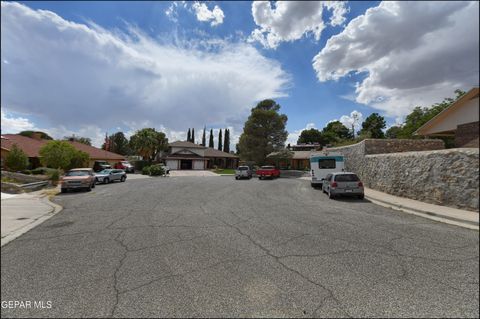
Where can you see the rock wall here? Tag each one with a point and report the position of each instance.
(444, 177)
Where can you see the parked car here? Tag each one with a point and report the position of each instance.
(100, 166)
(125, 165)
(110, 175)
(77, 178)
(343, 184)
(243, 172)
(267, 171)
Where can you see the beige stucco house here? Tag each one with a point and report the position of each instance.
(461, 120)
(187, 155)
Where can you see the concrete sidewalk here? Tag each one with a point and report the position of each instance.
(449, 215)
(22, 212)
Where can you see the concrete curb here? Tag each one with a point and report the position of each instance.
(426, 214)
(55, 209)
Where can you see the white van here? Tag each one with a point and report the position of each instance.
(323, 163)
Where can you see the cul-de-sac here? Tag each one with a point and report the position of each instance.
(216, 159)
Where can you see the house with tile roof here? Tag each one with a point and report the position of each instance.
(187, 155)
(31, 147)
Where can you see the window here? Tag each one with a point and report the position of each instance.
(346, 178)
(326, 163)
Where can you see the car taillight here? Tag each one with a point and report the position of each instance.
(334, 184)
(360, 184)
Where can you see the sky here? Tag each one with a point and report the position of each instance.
(89, 68)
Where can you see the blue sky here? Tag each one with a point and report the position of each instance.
(93, 67)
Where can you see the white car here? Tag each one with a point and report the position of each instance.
(110, 175)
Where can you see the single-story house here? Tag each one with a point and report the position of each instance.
(299, 158)
(31, 147)
(460, 120)
(188, 155)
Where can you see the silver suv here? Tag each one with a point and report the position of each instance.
(243, 172)
(343, 184)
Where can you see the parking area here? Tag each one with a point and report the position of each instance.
(217, 247)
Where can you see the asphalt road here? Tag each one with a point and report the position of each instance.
(216, 247)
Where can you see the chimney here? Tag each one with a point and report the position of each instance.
(37, 136)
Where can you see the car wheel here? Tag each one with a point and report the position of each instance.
(93, 184)
(106, 180)
(361, 196)
(330, 195)
(64, 190)
(89, 188)
(236, 177)
(123, 179)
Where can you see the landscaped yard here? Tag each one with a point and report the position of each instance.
(230, 171)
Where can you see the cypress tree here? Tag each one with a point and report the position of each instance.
(188, 136)
(220, 140)
(193, 136)
(204, 141)
(226, 141)
(210, 141)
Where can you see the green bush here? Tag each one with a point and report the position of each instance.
(146, 170)
(79, 160)
(27, 172)
(156, 170)
(43, 171)
(139, 165)
(54, 175)
(16, 160)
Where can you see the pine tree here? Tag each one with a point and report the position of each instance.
(226, 141)
(220, 140)
(210, 141)
(188, 136)
(193, 136)
(204, 141)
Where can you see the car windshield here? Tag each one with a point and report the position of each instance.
(267, 167)
(346, 178)
(125, 163)
(105, 171)
(243, 168)
(77, 173)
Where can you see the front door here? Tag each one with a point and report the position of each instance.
(186, 164)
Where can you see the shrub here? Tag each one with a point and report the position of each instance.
(156, 170)
(79, 159)
(54, 175)
(43, 171)
(139, 165)
(27, 172)
(146, 170)
(57, 154)
(16, 159)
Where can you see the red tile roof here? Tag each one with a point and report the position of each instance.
(31, 147)
(96, 153)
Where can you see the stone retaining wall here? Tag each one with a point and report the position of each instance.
(443, 177)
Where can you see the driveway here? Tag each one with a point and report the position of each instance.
(192, 173)
(216, 247)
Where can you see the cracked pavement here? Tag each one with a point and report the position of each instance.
(216, 247)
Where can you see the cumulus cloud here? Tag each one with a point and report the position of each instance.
(355, 118)
(412, 53)
(11, 124)
(215, 16)
(78, 76)
(291, 20)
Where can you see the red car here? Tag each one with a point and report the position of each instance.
(267, 171)
(125, 165)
